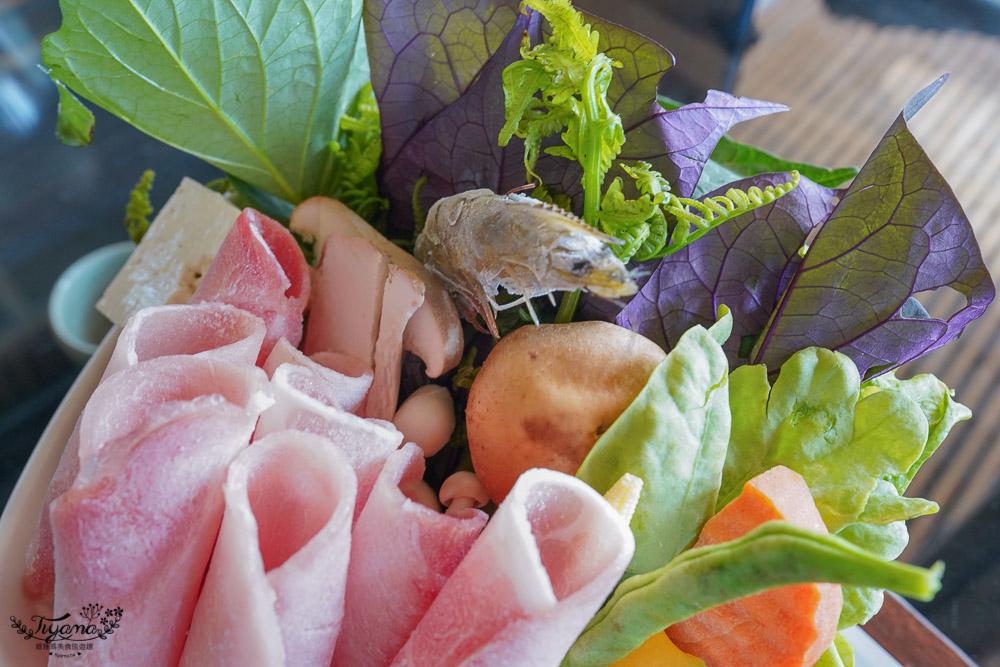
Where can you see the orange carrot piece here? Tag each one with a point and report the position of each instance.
(783, 627)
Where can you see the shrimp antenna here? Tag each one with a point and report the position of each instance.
(522, 188)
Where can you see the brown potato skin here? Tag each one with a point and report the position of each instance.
(546, 393)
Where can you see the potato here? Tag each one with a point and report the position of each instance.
(545, 394)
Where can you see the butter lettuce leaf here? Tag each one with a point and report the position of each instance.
(936, 401)
(839, 654)
(674, 436)
(257, 90)
(814, 421)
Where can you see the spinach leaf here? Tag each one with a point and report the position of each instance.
(674, 436)
(255, 89)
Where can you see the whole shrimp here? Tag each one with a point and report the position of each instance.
(478, 240)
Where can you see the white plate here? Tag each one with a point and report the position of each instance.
(20, 516)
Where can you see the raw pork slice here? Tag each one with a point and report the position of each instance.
(135, 531)
(118, 406)
(548, 558)
(402, 553)
(333, 379)
(274, 593)
(260, 268)
(366, 442)
(209, 329)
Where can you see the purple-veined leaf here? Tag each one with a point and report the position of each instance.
(678, 142)
(739, 264)
(897, 231)
(424, 55)
(457, 149)
(453, 143)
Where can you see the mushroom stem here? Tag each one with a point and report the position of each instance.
(460, 505)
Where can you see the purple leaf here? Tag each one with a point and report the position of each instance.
(678, 142)
(457, 149)
(896, 232)
(738, 264)
(454, 144)
(424, 55)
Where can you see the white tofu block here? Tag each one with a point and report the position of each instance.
(174, 253)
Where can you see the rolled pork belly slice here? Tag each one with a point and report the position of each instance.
(543, 566)
(338, 381)
(260, 268)
(365, 442)
(274, 592)
(207, 329)
(120, 405)
(402, 553)
(135, 530)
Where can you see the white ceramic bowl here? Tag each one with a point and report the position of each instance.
(76, 323)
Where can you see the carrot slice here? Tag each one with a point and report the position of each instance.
(659, 651)
(789, 626)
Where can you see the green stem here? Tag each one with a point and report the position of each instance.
(593, 178)
(567, 307)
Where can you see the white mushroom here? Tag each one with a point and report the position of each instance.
(347, 306)
(461, 491)
(404, 293)
(427, 418)
(421, 492)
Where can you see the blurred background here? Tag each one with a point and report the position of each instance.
(845, 67)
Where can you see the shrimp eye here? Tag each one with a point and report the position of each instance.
(581, 267)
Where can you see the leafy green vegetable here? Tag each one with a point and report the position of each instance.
(732, 160)
(897, 231)
(839, 654)
(747, 160)
(935, 400)
(257, 90)
(673, 436)
(74, 121)
(349, 174)
(774, 554)
(812, 421)
(139, 208)
(561, 85)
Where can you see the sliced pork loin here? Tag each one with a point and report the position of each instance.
(336, 380)
(543, 566)
(261, 269)
(135, 530)
(274, 593)
(365, 442)
(238, 342)
(402, 553)
(208, 329)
